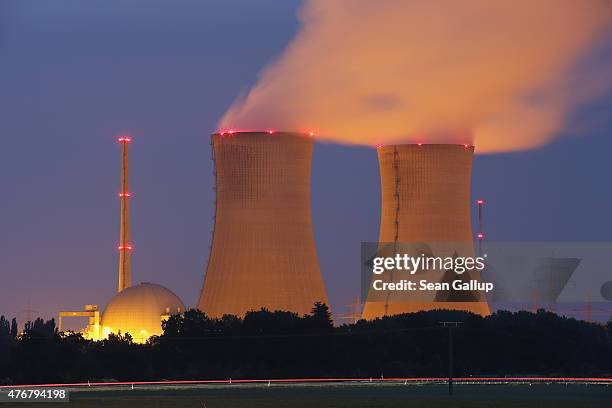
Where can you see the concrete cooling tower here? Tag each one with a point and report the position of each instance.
(426, 203)
(263, 253)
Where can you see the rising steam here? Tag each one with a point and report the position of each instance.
(502, 74)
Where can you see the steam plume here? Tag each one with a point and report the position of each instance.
(504, 75)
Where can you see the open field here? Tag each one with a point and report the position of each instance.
(357, 395)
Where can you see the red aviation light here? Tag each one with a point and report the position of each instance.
(466, 145)
(311, 133)
(480, 201)
(123, 139)
(125, 194)
(124, 248)
(480, 236)
(270, 132)
(419, 144)
(379, 146)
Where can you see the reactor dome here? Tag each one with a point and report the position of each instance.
(139, 310)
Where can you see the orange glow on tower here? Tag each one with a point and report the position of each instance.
(426, 203)
(263, 253)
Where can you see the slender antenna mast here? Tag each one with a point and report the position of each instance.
(125, 247)
(480, 236)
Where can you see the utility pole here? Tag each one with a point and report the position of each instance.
(451, 326)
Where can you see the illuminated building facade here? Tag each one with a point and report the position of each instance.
(140, 310)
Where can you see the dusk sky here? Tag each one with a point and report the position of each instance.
(76, 75)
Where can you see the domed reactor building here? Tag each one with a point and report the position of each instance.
(263, 253)
(425, 206)
(138, 310)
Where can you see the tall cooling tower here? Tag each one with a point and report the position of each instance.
(263, 253)
(425, 201)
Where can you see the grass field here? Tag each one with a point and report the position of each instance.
(370, 395)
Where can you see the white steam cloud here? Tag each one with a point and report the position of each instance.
(504, 75)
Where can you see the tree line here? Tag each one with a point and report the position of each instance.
(281, 344)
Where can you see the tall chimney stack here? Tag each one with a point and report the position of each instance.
(125, 246)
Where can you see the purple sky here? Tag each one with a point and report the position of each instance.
(74, 75)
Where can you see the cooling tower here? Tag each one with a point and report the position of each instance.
(263, 253)
(426, 202)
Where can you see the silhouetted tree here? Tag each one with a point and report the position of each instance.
(282, 344)
(14, 326)
(320, 317)
(5, 346)
(39, 329)
(5, 327)
(191, 324)
(266, 322)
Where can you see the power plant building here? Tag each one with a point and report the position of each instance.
(263, 253)
(425, 205)
(138, 310)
